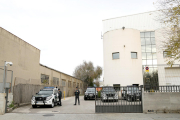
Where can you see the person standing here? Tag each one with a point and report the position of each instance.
(77, 93)
(59, 95)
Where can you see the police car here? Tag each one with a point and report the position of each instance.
(47, 96)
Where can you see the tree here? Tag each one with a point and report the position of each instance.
(170, 16)
(87, 72)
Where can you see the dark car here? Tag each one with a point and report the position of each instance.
(109, 93)
(90, 93)
(131, 93)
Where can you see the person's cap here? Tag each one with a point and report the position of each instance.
(58, 89)
(76, 87)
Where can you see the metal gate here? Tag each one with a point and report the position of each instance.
(126, 99)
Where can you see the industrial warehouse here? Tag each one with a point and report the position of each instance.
(28, 71)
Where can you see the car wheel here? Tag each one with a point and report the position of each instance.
(85, 98)
(52, 105)
(102, 100)
(34, 106)
(55, 104)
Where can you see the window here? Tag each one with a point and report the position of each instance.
(74, 84)
(63, 82)
(165, 54)
(78, 85)
(148, 48)
(44, 79)
(69, 83)
(115, 55)
(134, 55)
(55, 81)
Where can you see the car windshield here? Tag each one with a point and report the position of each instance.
(45, 92)
(108, 90)
(90, 89)
(132, 88)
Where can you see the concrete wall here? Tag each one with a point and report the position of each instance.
(24, 56)
(2, 103)
(161, 102)
(125, 70)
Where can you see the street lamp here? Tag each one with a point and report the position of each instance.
(5, 74)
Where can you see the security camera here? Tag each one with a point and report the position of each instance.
(10, 63)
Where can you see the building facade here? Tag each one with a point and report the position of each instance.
(133, 54)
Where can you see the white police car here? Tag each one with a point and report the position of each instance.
(47, 96)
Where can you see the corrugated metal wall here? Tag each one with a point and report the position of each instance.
(143, 21)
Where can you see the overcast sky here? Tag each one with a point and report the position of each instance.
(66, 31)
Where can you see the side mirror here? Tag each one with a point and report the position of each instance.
(36, 93)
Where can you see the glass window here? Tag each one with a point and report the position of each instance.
(143, 62)
(152, 34)
(134, 55)
(115, 55)
(143, 55)
(154, 62)
(142, 34)
(147, 34)
(143, 49)
(149, 62)
(44, 79)
(153, 41)
(148, 48)
(165, 54)
(148, 41)
(154, 56)
(153, 48)
(143, 41)
(149, 55)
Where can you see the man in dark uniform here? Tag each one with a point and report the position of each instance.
(60, 95)
(77, 93)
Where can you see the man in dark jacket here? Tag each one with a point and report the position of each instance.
(77, 93)
(60, 95)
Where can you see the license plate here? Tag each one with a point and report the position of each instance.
(39, 102)
(90, 94)
(110, 97)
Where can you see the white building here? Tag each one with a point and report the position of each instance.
(129, 42)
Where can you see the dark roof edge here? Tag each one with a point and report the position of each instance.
(58, 71)
(19, 38)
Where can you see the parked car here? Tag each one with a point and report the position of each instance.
(90, 93)
(109, 93)
(131, 93)
(47, 96)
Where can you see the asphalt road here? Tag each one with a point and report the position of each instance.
(68, 106)
(84, 111)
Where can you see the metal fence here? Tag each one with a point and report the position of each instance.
(166, 88)
(126, 99)
(24, 92)
(160, 75)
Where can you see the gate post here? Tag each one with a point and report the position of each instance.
(95, 99)
(142, 99)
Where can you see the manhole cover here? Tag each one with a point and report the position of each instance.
(48, 115)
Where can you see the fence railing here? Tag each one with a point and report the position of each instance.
(172, 88)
